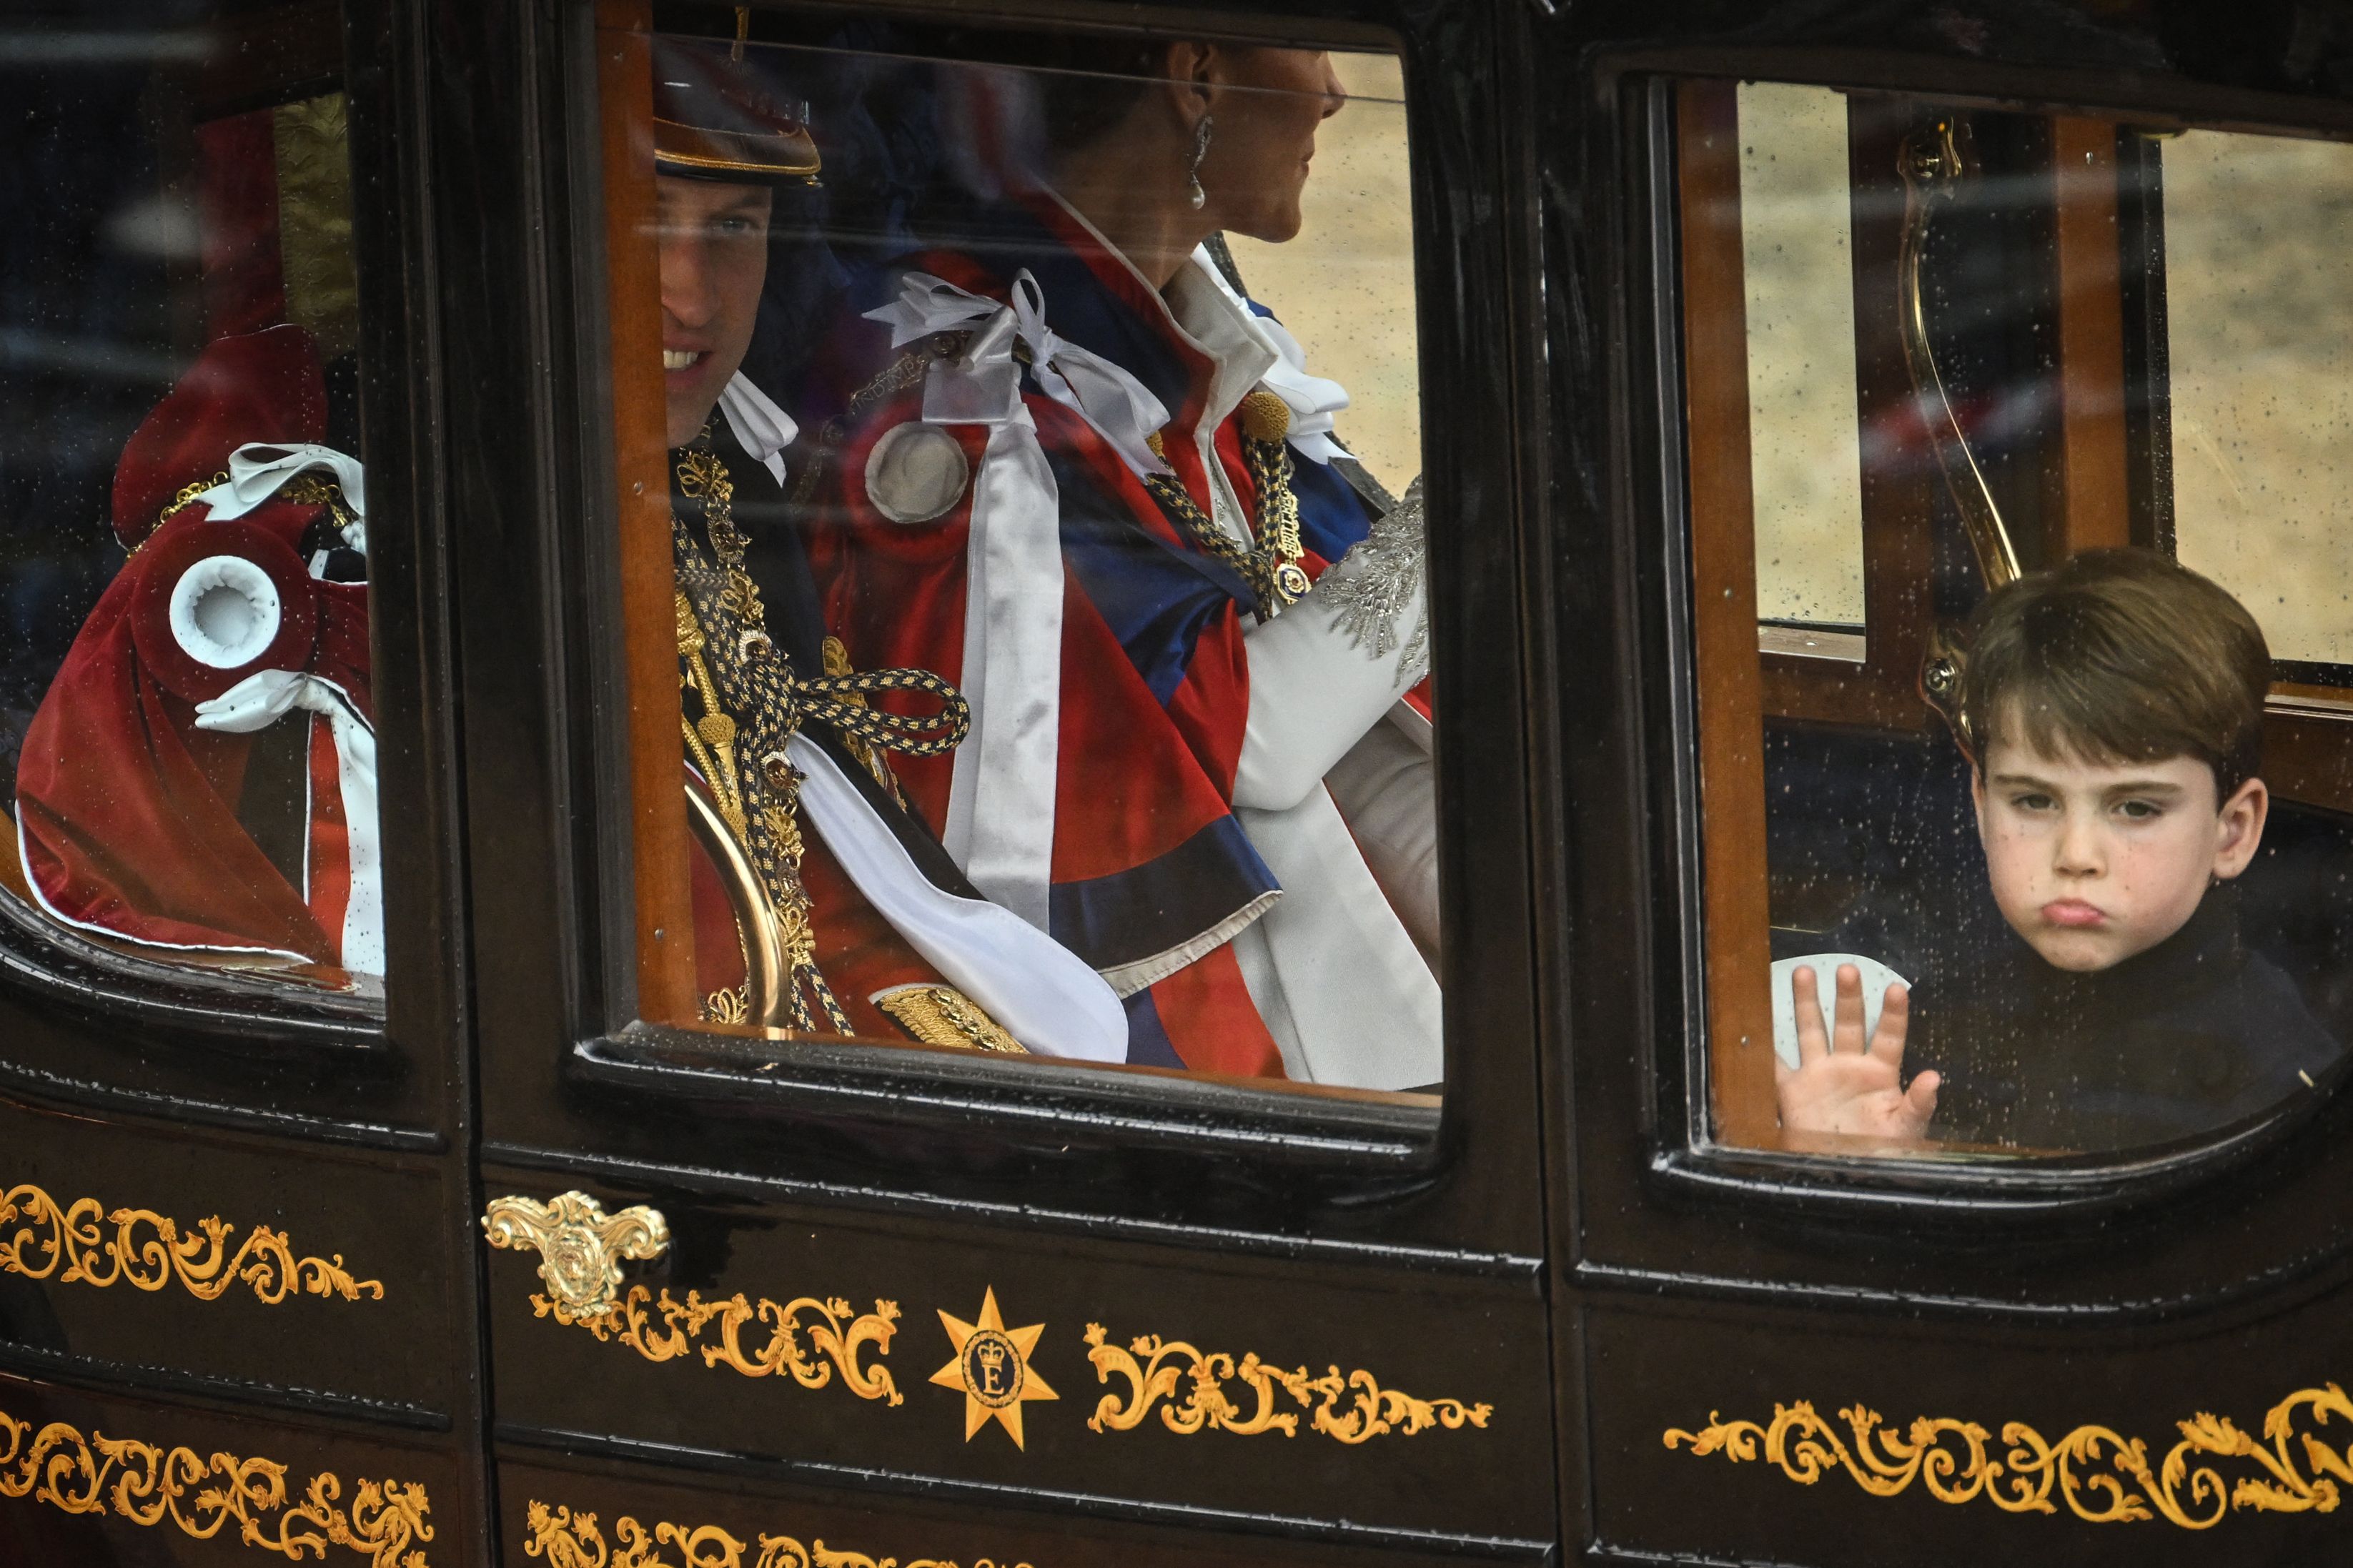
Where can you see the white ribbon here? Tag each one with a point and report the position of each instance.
(1313, 400)
(263, 697)
(764, 428)
(1040, 991)
(1120, 408)
(1000, 816)
(259, 470)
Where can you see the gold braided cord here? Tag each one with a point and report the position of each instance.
(839, 701)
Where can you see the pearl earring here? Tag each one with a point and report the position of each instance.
(1197, 195)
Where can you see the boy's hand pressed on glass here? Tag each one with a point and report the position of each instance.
(1842, 1084)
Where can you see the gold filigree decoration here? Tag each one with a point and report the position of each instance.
(149, 1251)
(1352, 1407)
(148, 1485)
(569, 1540)
(581, 1247)
(836, 1337)
(2099, 1474)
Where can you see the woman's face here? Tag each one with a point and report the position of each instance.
(1264, 136)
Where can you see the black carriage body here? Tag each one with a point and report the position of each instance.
(1542, 1313)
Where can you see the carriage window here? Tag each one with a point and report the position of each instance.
(1018, 443)
(186, 756)
(2058, 862)
(2259, 286)
(1795, 229)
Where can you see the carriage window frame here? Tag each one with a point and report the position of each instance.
(1684, 1153)
(1348, 1134)
(239, 1020)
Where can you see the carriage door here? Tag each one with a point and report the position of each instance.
(1154, 1237)
(1984, 526)
(236, 1257)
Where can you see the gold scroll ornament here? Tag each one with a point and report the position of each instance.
(581, 1250)
(2099, 1474)
(569, 1540)
(202, 1495)
(837, 1336)
(40, 1237)
(1369, 1410)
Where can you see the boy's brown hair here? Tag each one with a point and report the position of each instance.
(2119, 656)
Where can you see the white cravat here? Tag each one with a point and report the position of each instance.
(761, 426)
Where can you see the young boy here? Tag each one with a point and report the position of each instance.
(2114, 710)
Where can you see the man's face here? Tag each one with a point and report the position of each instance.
(2094, 862)
(714, 256)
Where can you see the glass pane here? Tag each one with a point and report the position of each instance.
(1795, 242)
(2051, 872)
(2259, 287)
(186, 745)
(1053, 663)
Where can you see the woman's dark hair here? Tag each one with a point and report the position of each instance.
(1087, 83)
(1090, 85)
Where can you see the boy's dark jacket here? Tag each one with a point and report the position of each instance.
(2187, 1037)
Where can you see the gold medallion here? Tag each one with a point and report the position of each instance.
(991, 1366)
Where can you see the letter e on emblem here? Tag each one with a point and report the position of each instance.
(992, 1368)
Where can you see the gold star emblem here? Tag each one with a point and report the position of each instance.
(992, 1366)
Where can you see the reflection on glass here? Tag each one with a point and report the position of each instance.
(2072, 900)
(186, 745)
(1795, 232)
(1055, 680)
(2259, 281)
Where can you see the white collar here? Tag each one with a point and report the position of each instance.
(764, 428)
(1313, 400)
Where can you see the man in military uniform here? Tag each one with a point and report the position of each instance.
(819, 902)
(847, 914)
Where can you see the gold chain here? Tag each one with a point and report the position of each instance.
(1270, 566)
(303, 489)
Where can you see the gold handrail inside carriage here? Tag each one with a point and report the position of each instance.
(1933, 161)
(766, 961)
